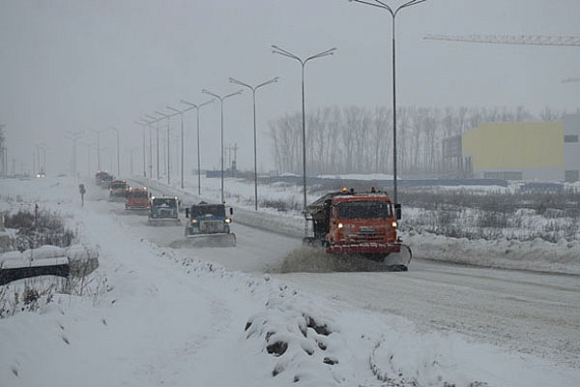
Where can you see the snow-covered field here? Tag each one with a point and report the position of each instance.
(153, 315)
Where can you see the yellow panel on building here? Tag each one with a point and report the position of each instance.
(515, 145)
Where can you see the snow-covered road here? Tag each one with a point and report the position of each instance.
(528, 312)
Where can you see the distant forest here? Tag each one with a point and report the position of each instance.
(358, 140)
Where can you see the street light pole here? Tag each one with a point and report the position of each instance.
(98, 132)
(222, 128)
(156, 120)
(167, 116)
(118, 151)
(143, 126)
(197, 107)
(288, 54)
(74, 137)
(254, 88)
(181, 116)
(380, 4)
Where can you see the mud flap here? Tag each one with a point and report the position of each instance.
(399, 261)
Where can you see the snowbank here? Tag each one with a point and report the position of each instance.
(537, 255)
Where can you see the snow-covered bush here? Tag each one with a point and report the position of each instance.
(45, 228)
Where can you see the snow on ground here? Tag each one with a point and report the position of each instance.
(161, 318)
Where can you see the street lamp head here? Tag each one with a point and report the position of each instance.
(188, 103)
(205, 91)
(174, 109)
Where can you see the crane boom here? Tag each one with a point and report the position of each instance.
(507, 39)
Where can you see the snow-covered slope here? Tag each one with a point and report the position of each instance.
(156, 316)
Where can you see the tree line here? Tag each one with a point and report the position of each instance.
(359, 140)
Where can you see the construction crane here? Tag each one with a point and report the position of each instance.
(537, 40)
(567, 80)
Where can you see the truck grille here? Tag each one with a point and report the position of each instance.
(367, 236)
(212, 226)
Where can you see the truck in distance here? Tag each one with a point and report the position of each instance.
(118, 190)
(103, 179)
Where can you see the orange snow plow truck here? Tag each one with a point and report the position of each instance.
(363, 224)
(137, 199)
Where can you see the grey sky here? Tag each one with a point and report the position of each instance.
(71, 64)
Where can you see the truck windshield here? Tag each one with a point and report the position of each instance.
(137, 194)
(364, 209)
(198, 211)
(167, 203)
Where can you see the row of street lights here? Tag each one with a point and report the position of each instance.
(303, 61)
(145, 123)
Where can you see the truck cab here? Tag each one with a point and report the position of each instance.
(164, 208)
(137, 199)
(355, 223)
(206, 218)
(103, 179)
(118, 190)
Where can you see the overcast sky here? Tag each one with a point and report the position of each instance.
(74, 65)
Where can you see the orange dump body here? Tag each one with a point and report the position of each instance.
(137, 199)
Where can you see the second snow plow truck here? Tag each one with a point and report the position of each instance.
(209, 225)
(363, 224)
(137, 199)
(164, 210)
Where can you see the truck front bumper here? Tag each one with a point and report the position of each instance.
(364, 248)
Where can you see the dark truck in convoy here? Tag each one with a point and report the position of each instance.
(164, 210)
(210, 221)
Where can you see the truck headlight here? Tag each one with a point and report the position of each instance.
(394, 224)
(228, 220)
(340, 225)
(194, 221)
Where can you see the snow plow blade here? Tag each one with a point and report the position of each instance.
(396, 256)
(164, 222)
(399, 261)
(207, 240)
(137, 210)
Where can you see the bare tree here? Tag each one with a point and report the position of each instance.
(549, 114)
